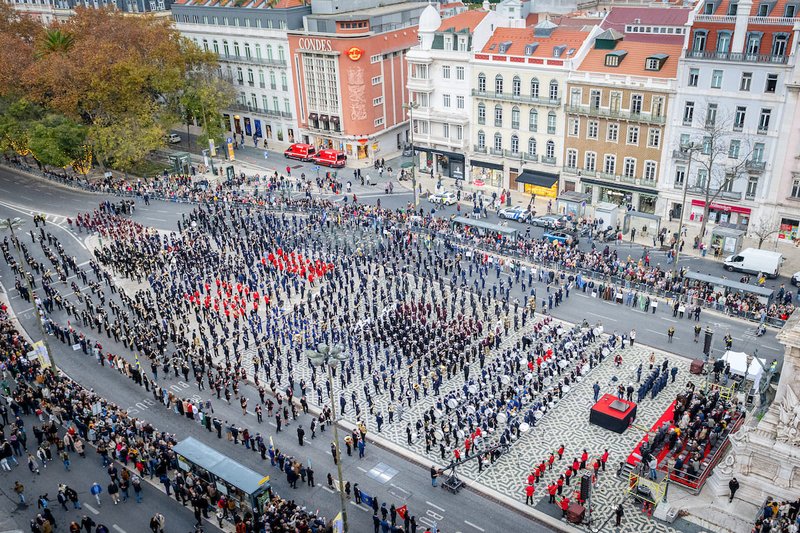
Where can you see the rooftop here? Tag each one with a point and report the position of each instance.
(467, 20)
(372, 11)
(250, 4)
(634, 61)
(515, 41)
(618, 17)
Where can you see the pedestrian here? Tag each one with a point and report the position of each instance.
(670, 333)
(136, 483)
(596, 388)
(19, 488)
(95, 490)
(113, 491)
(300, 434)
(618, 514)
(733, 485)
(529, 489)
(434, 475)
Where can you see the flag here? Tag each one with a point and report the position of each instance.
(366, 498)
(338, 524)
(402, 510)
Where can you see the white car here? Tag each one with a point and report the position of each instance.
(517, 212)
(796, 279)
(443, 198)
(173, 138)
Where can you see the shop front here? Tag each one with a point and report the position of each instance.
(718, 213)
(440, 162)
(629, 196)
(788, 229)
(486, 174)
(534, 182)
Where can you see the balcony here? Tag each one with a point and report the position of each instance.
(255, 109)
(252, 61)
(420, 84)
(621, 114)
(647, 183)
(680, 155)
(478, 149)
(512, 155)
(607, 176)
(570, 170)
(696, 190)
(527, 156)
(731, 19)
(627, 179)
(756, 166)
(520, 99)
(495, 151)
(736, 56)
(548, 160)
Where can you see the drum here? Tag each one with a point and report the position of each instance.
(565, 388)
(460, 434)
(524, 427)
(505, 380)
(472, 389)
(606, 351)
(538, 414)
(470, 410)
(438, 434)
(452, 403)
(563, 364)
(528, 377)
(502, 418)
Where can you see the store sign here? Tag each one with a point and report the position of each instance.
(355, 53)
(317, 45)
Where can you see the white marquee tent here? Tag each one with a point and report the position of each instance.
(738, 362)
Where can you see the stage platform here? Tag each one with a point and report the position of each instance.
(612, 413)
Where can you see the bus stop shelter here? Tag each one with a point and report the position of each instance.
(484, 228)
(249, 489)
(725, 286)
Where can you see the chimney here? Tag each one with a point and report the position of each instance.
(740, 29)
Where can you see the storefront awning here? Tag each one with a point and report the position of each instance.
(483, 164)
(324, 118)
(619, 186)
(312, 116)
(540, 179)
(723, 207)
(335, 119)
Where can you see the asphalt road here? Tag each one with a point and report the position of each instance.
(21, 196)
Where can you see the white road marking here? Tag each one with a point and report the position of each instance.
(326, 488)
(359, 506)
(156, 219)
(92, 509)
(115, 527)
(362, 469)
(473, 525)
(659, 333)
(435, 506)
(401, 489)
(604, 317)
(670, 319)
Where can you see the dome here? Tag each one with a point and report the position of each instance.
(429, 20)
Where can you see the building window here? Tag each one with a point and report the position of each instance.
(650, 168)
(590, 161)
(534, 88)
(498, 84)
(795, 188)
(610, 164)
(746, 81)
(758, 153)
(551, 123)
(711, 115)
(378, 122)
(515, 118)
(377, 101)
(225, 48)
(738, 118)
(629, 167)
(532, 147)
(375, 59)
(481, 140)
(446, 100)
(550, 149)
(446, 131)
(459, 73)
(591, 130)
(752, 187)
(516, 86)
(533, 120)
(763, 120)
(498, 142)
(699, 43)
(460, 102)
(575, 97)
(702, 176)
(680, 177)
(612, 133)
(482, 83)
(498, 116)
(753, 44)
(419, 72)
(481, 113)
(572, 158)
(716, 79)
(779, 44)
(377, 80)
(574, 127)
(654, 138)
(446, 72)
(236, 49)
(694, 76)
(459, 133)
(734, 148)
(554, 90)
(706, 145)
(633, 135)
(636, 104)
(772, 83)
(514, 144)
(723, 43)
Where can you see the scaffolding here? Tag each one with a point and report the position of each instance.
(726, 392)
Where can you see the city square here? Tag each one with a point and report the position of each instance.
(235, 296)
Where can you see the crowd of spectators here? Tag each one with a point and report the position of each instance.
(778, 517)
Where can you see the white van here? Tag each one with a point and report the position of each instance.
(755, 261)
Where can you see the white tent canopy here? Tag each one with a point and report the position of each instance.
(738, 362)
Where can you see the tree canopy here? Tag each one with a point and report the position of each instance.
(118, 79)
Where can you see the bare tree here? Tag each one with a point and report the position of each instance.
(763, 229)
(722, 157)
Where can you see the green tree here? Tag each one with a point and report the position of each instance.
(204, 97)
(54, 41)
(16, 119)
(57, 140)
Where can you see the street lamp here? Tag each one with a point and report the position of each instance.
(411, 106)
(688, 148)
(330, 356)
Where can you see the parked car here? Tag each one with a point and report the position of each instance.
(330, 158)
(796, 279)
(300, 151)
(550, 221)
(563, 237)
(755, 261)
(173, 138)
(443, 198)
(518, 213)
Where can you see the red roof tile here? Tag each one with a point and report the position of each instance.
(464, 20)
(634, 62)
(519, 37)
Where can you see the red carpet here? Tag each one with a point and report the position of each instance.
(636, 456)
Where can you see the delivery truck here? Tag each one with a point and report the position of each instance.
(755, 261)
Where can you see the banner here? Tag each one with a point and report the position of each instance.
(212, 148)
(366, 498)
(402, 510)
(231, 155)
(338, 524)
